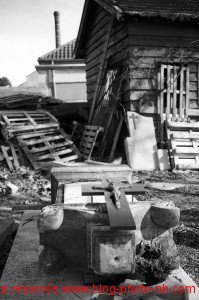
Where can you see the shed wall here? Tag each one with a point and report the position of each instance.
(149, 45)
(95, 44)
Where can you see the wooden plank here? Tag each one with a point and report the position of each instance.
(119, 218)
(174, 94)
(70, 158)
(185, 135)
(14, 155)
(39, 141)
(10, 165)
(185, 151)
(183, 125)
(187, 93)
(190, 166)
(168, 108)
(50, 146)
(35, 134)
(21, 156)
(102, 61)
(30, 118)
(181, 92)
(161, 104)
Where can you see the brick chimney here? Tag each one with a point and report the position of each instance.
(57, 29)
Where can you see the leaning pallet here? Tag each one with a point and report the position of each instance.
(44, 148)
(88, 140)
(16, 122)
(183, 143)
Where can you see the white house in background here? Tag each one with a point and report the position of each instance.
(59, 75)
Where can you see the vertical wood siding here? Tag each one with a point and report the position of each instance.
(95, 43)
(150, 45)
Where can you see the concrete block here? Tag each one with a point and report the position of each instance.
(111, 251)
(116, 259)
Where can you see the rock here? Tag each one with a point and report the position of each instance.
(45, 199)
(165, 216)
(50, 218)
(11, 188)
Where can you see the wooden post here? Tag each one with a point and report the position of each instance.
(187, 94)
(175, 78)
(168, 92)
(161, 104)
(181, 92)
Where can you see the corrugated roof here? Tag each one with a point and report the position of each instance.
(13, 98)
(170, 9)
(66, 51)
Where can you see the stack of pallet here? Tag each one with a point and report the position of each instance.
(38, 135)
(183, 144)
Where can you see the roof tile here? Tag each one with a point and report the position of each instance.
(165, 8)
(66, 51)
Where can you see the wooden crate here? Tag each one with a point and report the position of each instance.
(43, 148)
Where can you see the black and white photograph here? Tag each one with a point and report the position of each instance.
(99, 149)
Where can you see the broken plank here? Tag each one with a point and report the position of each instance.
(14, 155)
(10, 165)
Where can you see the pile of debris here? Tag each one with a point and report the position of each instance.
(38, 135)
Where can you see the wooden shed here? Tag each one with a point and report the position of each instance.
(141, 56)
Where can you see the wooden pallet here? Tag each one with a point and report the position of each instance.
(183, 144)
(43, 148)
(17, 122)
(88, 140)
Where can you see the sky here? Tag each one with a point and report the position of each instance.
(27, 31)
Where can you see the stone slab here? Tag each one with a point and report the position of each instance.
(22, 268)
(141, 146)
(7, 227)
